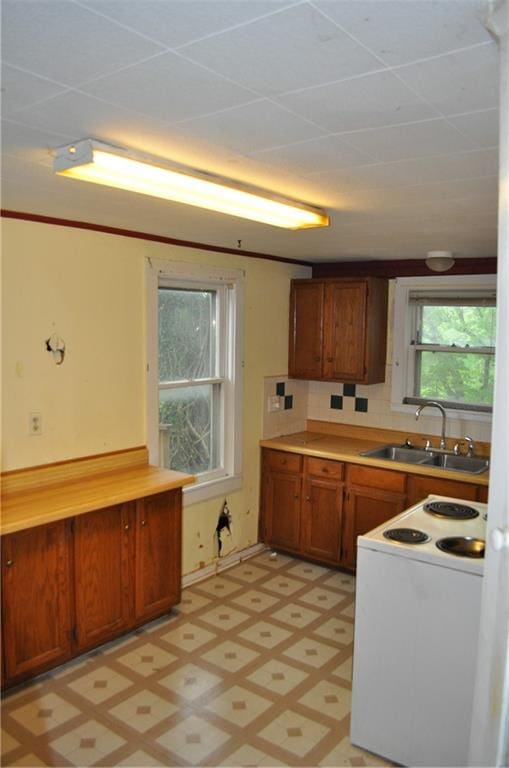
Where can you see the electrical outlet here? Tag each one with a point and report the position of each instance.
(273, 403)
(35, 423)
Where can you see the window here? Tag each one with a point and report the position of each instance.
(195, 374)
(444, 342)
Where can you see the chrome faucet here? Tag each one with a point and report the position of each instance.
(471, 447)
(428, 404)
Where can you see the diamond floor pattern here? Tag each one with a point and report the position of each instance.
(251, 669)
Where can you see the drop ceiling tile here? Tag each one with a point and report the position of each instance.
(67, 43)
(363, 102)
(400, 31)
(315, 155)
(293, 49)
(481, 127)
(169, 89)
(31, 143)
(255, 126)
(20, 89)
(174, 22)
(79, 116)
(457, 82)
(432, 137)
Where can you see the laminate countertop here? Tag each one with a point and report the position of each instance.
(346, 448)
(38, 506)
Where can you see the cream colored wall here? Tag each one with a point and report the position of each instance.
(88, 287)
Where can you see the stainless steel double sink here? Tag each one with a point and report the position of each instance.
(473, 465)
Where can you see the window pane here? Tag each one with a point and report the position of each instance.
(454, 376)
(187, 334)
(463, 326)
(188, 424)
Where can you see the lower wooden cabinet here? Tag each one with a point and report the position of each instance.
(71, 585)
(36, 599)
(318, 507)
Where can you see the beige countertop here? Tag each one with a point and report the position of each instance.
(38, 506)
(346, 448)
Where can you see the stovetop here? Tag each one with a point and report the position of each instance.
(433, 527)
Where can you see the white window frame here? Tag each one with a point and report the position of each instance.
(402, 357)
(230, 286)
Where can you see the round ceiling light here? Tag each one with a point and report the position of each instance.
(439, 261)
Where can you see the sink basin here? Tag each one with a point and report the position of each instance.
(399, 453)
(462, 546)
(473, 465)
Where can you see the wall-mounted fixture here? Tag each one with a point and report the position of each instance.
(99, 163)
(439, 261)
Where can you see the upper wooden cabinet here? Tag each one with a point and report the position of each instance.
(338, 330)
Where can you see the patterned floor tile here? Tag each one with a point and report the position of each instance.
(193, 739)
(87, 744)
(192, 602)
(29, 761)
(147, 659)
(336, 631)
(342, 581)
(188, 637)
(345, 754)
(230, 656)
(100, 684)
(265, 634)
(7, 743)
(349, 611)
(310, 651)
(190, 681)
(139, 759)
(239, 706)
(274, 560)
(44, 713)
(344, 670)
(255, 600)
(328, 699)
(249, 756)
(218, 586)
(322, 598)
(294, 733)
(224, 617)
(143, 710)
(308, 571)
(282, 585)
(248, 572)
(295, 615)
(278, 677)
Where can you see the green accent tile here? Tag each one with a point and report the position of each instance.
(361, 404)
(349, 390)
(288, 402)
(280, 389)
(336, 401)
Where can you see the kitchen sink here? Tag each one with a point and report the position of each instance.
(399, 453)
(473, 465)
(463, 546)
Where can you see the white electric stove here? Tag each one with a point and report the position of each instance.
(416, 634)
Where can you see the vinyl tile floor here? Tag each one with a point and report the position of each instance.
(253, 668)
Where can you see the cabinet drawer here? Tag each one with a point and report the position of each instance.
(376, 478)
(289, 462)
(324, 468)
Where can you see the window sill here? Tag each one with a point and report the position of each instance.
(453, 414)
(203, 491)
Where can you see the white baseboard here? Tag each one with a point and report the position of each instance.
(222, 564)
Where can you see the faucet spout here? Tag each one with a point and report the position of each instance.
(433, 404)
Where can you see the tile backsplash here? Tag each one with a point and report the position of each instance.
(292, 399)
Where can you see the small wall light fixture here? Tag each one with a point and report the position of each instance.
(439, 261)
(90, 160)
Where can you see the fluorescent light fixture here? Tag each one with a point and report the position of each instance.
(93, 161)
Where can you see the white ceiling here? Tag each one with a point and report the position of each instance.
(384, 113)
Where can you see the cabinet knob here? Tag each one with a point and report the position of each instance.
(329, 359)
(9, 563)
(317, 358)
(143, 523)
(126, 527)
(295, 495)
(308, 498)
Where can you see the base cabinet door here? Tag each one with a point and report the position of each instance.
(36, 597)
(282, 525)
(158, 553)
(322, 519)
(365, 509)
(103, 545)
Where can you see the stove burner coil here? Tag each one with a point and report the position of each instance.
(450, 509)
(406, 535)
(462, 546)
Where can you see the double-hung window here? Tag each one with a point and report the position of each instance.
(444, 342)
(195, 373)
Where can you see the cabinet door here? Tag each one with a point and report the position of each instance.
(420, 486)
(321, 519)
(345, 331)
(306, 330)
(158, 553)
(103, 555)
(36, 597)
(365, 509)
(282, 508)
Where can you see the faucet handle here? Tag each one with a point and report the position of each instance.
(428, 446)
(471, 446)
